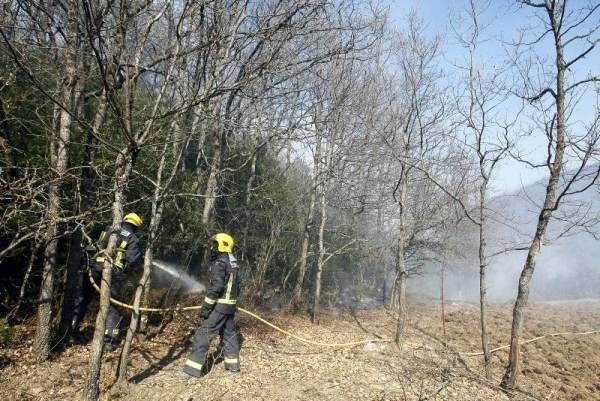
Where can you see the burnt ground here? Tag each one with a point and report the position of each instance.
(275, 367)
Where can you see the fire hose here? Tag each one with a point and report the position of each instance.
(247, 312)
(563, 334)
(318, 343)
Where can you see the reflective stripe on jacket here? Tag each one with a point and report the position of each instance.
(128, 252)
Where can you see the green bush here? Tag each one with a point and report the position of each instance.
(7, 333)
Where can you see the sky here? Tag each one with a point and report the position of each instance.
(502, 22)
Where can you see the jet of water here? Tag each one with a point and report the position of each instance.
(188, 282)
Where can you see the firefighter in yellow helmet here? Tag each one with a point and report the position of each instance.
(218, 308)
(128, 255)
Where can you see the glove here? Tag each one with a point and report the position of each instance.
(205, 312)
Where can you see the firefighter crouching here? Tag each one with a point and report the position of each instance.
(218, 309)
(127, 256)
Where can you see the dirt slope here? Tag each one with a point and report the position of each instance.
(276, 367)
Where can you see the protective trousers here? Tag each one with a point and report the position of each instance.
(84, 297)
(217, 323)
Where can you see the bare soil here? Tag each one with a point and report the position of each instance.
(276, 367)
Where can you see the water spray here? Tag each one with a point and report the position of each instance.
(189, 283)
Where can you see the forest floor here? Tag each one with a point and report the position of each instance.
(276, 367)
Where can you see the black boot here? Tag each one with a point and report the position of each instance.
(110, 344)
(233, 367)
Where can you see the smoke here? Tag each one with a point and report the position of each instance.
(565, 270)
(567, 266)
(181, 278)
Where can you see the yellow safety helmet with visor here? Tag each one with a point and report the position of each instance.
(133, 218)
(224, 242)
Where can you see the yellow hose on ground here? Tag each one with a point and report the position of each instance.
(247, 312)
(583, 333)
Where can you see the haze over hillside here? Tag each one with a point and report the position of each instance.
(568, 266)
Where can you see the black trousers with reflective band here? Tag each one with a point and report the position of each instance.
(216, 324)
(86, 292)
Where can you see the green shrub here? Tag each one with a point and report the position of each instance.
(7, 333)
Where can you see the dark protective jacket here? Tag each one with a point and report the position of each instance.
(223, 284)
(128, 252)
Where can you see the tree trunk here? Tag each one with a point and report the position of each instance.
(401, 257)
(442, 299)
(321, 256)
(91, 389)
(483, 282)
(59, 148)
(41, 345)
(42, 336)
(210, 194)
(199, 126)
(325, 176)
(251, 179)
(144, 316)
(402, 311)
(302, 263)
(7, 162)
(157, 209)
(510, 376)
(509, 380)
(393, 304)
(86, 191)
(139, 292)
(247, 207)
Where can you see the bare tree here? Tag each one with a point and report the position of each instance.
(162, 186)
(486, 138)
(111, 54)
(323, 174)
(572, 30)
(411, 137)
(83, 204)
(59, 143)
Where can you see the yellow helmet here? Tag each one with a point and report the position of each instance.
(134, 219)
(224, 241)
